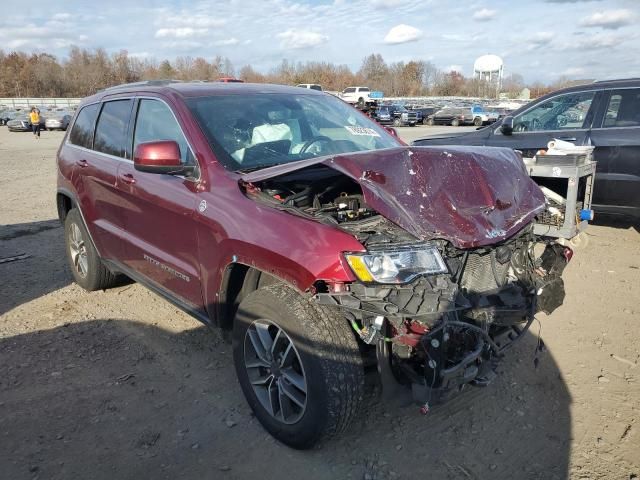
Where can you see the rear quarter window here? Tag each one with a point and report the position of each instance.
(82, 131)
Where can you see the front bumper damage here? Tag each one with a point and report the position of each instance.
(442, 332)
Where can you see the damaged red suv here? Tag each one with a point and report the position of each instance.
(334, 253)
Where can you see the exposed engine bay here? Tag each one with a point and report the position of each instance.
(436, 332)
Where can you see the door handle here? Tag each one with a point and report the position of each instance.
(127, 178)
(82, 163)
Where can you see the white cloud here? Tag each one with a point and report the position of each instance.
(387, 3)
(226, 42)
(484, 15)
(60, 17)
(592, 42)
(294, 39)
(402, 34)
(611, 19)
(189, 19)
(540, 39)
(573, 71)
(139, 54)
(183, 32)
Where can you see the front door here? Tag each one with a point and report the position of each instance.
(159, 210)
(565, 117)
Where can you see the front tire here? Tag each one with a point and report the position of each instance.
(298, 364)
(84, 262)
(455, 122)
(430, 122)
(477, 122)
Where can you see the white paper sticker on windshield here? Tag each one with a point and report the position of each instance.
(367, 132)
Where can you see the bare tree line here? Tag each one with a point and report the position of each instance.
(84, 72)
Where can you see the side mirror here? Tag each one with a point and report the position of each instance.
(392, 131)
(160, 157)
(507, 125)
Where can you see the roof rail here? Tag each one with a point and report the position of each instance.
(617, 80)
(143, 83)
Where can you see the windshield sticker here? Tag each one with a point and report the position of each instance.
(364, 131)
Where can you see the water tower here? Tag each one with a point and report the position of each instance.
(489, 69)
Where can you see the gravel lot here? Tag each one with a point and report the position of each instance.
(120, 384)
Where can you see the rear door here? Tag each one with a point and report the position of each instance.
(160, 209)
(96, 155)
(617, 141)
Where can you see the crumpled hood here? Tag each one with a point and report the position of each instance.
(470, 196)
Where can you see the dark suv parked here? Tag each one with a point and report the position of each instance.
(603, 114)
(333, 252)
(453, 116)
(395, 115)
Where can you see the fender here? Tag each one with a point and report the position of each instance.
(62, 214)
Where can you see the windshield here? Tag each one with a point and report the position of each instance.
(249, 132)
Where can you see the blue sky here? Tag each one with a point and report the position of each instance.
(540, 39)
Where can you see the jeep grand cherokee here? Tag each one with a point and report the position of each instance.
(332, 251)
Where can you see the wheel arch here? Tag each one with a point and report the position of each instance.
(238, 281)
(65, 201)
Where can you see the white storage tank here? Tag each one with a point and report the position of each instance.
(489, 68)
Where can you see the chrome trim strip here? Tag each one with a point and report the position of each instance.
(615, 128)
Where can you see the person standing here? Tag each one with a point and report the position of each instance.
(34, 117)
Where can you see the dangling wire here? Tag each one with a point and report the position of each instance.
(539, 345)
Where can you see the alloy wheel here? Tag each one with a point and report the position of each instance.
(78, 250)
(275, 371)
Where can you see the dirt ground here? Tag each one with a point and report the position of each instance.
(120, 384)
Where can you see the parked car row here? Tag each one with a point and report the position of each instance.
(19, 121)
(475, 115)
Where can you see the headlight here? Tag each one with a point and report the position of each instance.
(396, 266)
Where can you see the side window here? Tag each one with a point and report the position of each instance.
(82, 131)
(564, 112)
(156, 122)
(623, 109)
(365, 89)
(349, 90)
(111, 131)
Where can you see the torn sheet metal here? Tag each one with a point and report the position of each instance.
(470, 196)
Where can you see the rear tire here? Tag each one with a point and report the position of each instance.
(84, 262)
(325, 368)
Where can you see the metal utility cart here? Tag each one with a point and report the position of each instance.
(567, 181)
